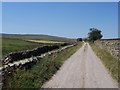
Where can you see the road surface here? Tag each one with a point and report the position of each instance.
(82, 70)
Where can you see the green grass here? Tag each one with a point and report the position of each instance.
(11, 45)
(108, 60)
(40, 72)
(47, 41)
(38, 37)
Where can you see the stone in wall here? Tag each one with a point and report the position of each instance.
(14, 56)
(111, 45)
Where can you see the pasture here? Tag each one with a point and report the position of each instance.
(47, 41)
(12, 45)
(17, 42)
(43, 70)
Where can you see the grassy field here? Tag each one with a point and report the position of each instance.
(108, 60)
(11, 45)
(38, 37)
(47, 41)
(40, 72)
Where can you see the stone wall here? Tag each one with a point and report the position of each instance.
(111, 45)
(27, 63)
(15, 56)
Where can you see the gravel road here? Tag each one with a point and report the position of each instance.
(82, 70)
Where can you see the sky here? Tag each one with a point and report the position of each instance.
(65, 19)
(60, 0)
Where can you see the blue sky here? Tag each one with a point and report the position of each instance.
(60, 19)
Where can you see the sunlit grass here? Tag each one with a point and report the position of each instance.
(47, 41)
(12, 45)
(41, 72)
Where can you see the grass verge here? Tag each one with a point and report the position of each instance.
(108, 60)
(40, 72)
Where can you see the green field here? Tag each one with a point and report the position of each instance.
(11, 45)
(40, 72)
(47, 41)
(21, 42)
(38, 37)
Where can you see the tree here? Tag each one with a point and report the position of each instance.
(94, 34)
(79, 39)
(85, 39)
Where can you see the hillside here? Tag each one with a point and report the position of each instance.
(35, 37)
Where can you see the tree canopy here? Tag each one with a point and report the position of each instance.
(94, 34)
(79, 39)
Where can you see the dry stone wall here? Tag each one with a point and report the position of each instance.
(27, 63)
(111, 45)
(15, 56)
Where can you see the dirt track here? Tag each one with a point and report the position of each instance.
(82, 70)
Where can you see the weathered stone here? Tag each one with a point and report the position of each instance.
(111, 45)
(14, 56)
(26, 63)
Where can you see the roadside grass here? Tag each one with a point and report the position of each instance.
(47, 41)
(108, 60)
(11, 45)
(41, 72)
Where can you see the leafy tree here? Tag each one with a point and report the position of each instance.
(79, 39)
(85, 39)
(94, 34)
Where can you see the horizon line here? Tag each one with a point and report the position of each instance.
(54, 35)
